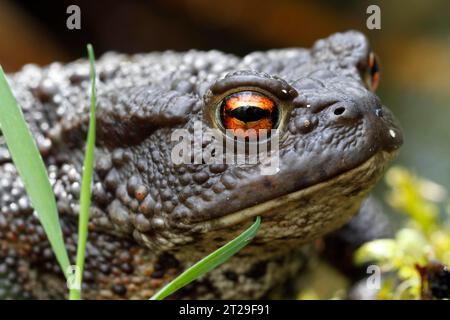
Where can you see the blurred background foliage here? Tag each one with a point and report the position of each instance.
(415, 261)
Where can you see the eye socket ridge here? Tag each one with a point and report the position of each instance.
(242, 79)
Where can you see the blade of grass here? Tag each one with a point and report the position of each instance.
(210, 262)
(85, 196)
(31, 169)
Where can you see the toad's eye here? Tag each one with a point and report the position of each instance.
(247, 110)
(373, 72)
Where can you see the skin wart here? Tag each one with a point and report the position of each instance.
(150, 218)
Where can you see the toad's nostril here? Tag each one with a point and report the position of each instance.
(338, 111)
(345, 112)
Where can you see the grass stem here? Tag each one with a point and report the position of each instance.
(86, 184)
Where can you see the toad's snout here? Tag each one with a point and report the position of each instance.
(382, 129)
(391, 136)
(386, 129)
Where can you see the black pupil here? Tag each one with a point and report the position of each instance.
(248, 113)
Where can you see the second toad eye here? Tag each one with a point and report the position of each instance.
(248, 110)
(373, 72)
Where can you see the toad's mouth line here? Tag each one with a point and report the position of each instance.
(380, 159)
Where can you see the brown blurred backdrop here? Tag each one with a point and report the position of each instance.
(413, 45)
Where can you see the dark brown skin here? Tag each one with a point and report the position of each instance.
(150, 218)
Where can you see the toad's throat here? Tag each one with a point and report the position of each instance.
(343, 192)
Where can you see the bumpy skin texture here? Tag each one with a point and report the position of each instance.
(151, 218)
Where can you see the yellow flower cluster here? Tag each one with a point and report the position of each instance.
(423, 241)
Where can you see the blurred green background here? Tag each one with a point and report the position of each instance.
(413, 46)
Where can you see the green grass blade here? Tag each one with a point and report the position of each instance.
(210, 262)
(85, 196)
(31, 169)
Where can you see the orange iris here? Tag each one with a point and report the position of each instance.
(248, 112)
